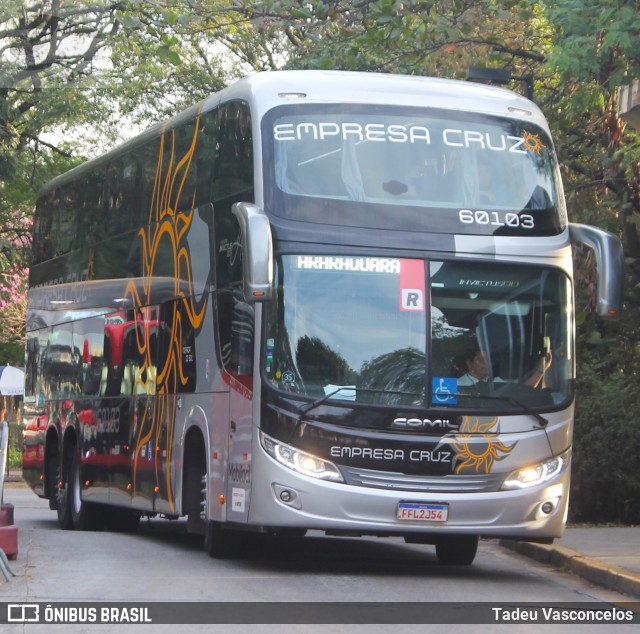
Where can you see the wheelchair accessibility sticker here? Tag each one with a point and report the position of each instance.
(444, 391)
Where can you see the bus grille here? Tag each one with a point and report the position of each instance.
(429, 484)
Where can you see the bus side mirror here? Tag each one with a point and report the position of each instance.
(610, 263)
(257, 252)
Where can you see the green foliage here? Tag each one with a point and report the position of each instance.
(595, 49)
(12, 352)
(598, 39)
(14, 459)
(606, 482)
(155, 77)
(32, 168)
(14, 455)
(419, 37)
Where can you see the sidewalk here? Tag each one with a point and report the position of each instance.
(13, 476)
(608, 556)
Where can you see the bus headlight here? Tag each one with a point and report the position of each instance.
(299, 460)
(536, 474)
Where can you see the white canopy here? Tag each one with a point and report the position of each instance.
(11, 381)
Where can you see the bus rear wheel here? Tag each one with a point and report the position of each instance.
(53, 476)
(63, 499)
(456, 550)
(73, 511)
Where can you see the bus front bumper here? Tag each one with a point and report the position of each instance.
(284, 498)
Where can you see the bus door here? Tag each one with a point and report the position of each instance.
(236, 327)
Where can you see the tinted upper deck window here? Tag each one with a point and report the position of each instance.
(411, 169)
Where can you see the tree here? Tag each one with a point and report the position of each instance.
(32, 168)
(13, 287)
(79, 68)
(47, 50)
(412, 36)
(594, 50)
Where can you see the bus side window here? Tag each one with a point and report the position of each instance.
(88, 335)
(174, 342)
(90, 226)
(32, 358)
(63, 230)
(141, 347)
(185, 169)
(188, 350)
(233, 169)
(235, 328)
(205, 154)
(112, 370)
(42, 229)
(62, 362)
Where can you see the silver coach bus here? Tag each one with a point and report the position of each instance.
(317, 300)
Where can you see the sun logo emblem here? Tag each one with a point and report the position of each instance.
(532, 142)
(476, 446)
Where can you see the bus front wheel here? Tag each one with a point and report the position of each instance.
(456, 550)
(221, 543)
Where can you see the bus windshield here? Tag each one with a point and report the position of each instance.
(451, 172)
(359, 329)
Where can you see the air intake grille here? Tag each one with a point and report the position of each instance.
(478, 483)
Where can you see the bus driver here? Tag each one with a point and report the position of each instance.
(478, 370)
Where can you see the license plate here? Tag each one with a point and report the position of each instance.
(415, 512)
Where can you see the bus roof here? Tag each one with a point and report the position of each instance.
(266, 90)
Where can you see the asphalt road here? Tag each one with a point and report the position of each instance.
(162, 563)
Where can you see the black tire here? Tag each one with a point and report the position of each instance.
(195, 498)
(73, 512)
(85, 516)
(53, 477)
(221, 543)
(65, 517)
(456, 550)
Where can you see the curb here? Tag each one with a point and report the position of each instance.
(13, 476)
(610, 577)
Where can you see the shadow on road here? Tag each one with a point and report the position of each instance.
(317, 553)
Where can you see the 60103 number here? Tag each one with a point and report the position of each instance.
(496, 218)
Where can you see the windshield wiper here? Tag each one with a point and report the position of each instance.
(307, 408)
(509, 399)
(506, 399)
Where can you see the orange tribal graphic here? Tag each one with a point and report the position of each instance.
(476, 446)
(154, 422)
